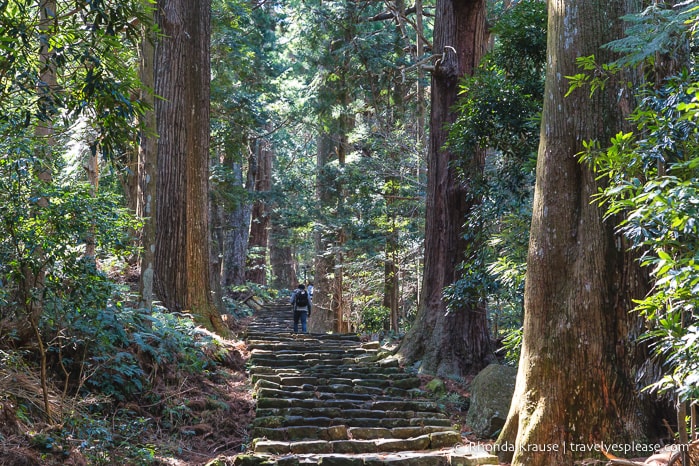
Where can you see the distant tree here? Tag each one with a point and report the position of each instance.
(457, 342)
(182, 70)
(258, 241)
(245, 60)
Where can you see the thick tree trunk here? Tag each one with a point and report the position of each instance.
(281, 255)
(256, 271)
(182, 240)
(456, 343)
(236, 231)
(147, 174)
(324, 266)
(574, 384)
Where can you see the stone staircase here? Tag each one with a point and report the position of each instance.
(331, 400)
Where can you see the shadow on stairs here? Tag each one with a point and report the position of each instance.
(329, 399)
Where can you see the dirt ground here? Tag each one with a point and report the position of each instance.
(197, 418)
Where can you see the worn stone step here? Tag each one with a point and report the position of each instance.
(303, 360)
(319, 394)
(434, 440)
(404, 383)
(344, 412)
(324, 338)
(291, 344)
(338, 390)
(330, 353)
(394, 459)
(342, 432)
(423, 458)
(358, 405)
(325, 421)
(349, 371)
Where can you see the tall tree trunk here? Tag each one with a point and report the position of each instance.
(256, 271)
(454, 343)
(392, 188)
(323, 317)
(390, 298)
(147, 173)
(575, 383)
(182, 239)
(33, 281)
(420, 90)
(281, 255)
(93, 177)
(236, 231)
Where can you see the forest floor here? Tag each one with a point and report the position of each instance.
(196, 420)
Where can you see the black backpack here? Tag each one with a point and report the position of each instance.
(302, 299)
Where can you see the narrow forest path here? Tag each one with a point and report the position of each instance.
(330, 400)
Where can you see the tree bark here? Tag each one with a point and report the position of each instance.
(575, 383)
(323, 317)
(182, 239)
(147, 173)
(281, 255)
(236, 231)
(256, 271)
(456, 343)
(34, 280)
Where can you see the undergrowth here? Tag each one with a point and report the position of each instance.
(118, 380)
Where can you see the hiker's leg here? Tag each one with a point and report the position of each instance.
(297, 315)
(304, 318)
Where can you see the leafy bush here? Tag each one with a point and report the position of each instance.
(124, 349)
(374, 319)
(653, 184)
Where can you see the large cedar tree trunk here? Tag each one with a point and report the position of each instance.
(574, 383)
(256, 271)
(456, 343)
(324, 266)
(236, 231)
(281, 254)
(182, 238)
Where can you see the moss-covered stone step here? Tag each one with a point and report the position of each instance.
(291, 344)
(396, 459)
(299, 393)
(325, 421)
(308, 384)
(342, 432)
(336, 391)
(403, 383)
(303, 360)
(347, 413)
(348, 371)
(437, 458)
(254, 334)
(358, 404)
(435, 440)
(343, 371)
